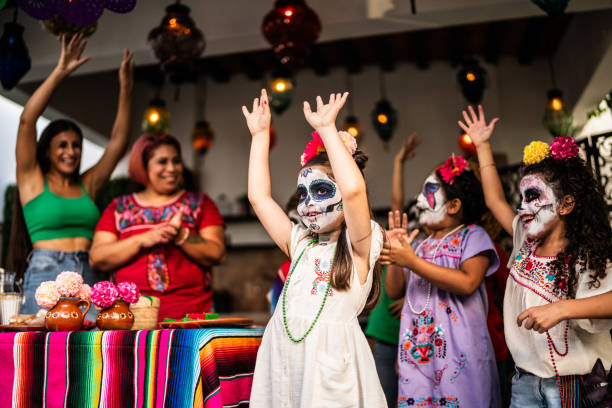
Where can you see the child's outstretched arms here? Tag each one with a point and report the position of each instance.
(407, 151)
(350, 181)
(476, 127)
(271, 215)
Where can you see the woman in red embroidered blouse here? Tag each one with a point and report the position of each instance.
(163, 238)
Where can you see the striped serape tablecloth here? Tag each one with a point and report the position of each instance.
(148, 368)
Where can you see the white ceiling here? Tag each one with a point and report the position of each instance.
(232, 26)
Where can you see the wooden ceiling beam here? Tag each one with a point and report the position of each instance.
(384, 54)
(457, 37)
(527, 45)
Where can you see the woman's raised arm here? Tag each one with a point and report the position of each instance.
(29, 174)
(95, 177)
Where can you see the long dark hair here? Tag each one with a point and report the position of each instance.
(343, 262)
(20, 244)
(587, 227)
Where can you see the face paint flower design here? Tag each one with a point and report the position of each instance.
(431, 202)
(538, 209)
(320, 202)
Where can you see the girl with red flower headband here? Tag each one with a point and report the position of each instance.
(313, 351)
(558, 304)
(444, 343)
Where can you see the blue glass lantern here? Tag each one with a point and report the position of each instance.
(14, 57)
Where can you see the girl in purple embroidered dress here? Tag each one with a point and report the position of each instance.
(445, 355)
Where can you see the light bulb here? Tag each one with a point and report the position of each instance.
(153, 117)
(382, 118)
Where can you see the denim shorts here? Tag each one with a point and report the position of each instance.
(45, 265)
(531, 391)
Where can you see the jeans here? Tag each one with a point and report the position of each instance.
(530, 391)
(385, 355)
(45, 265)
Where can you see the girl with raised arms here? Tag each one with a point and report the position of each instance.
(444, 345)
(558, 300)
(313, 353)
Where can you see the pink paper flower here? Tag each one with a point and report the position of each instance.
(104, 294)
(47, 294)
(85, 292)
(452, 167)
(68, 283)
(128, 291)
(563, 148)
(316, 146)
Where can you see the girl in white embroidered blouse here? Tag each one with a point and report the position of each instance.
(558, 302)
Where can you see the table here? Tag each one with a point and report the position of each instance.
(205, 368)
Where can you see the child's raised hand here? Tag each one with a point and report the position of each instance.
(258, 120)
(476, 126)
(397, 230)
(408, 150)
(541, 318)
(399, 252)
(326, 113)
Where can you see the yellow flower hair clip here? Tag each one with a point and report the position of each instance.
(535, 152)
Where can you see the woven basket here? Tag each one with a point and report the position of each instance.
(146, 311)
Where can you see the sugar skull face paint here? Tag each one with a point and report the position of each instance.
(320, 202)
(431, 202)
(538, 209)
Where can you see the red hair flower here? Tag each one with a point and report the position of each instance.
(452, 167)
(314, 147)
(563, 148)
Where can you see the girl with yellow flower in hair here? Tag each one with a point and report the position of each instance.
(558, 302)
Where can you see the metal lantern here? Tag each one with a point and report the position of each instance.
(473, 80)
(58, 25)
(352, 126)
(178, 44)
(156, 118)
(384, 119)
(14, 57)
(80, 12)
(202, 137)
(281, 92)
(552, 7)
(557, 119)
(291, 27)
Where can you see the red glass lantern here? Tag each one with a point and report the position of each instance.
(291, 27)
(466, 144)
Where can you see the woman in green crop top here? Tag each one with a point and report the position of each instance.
(57, 200)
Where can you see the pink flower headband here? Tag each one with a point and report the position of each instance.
(452, 167)
(316, 146)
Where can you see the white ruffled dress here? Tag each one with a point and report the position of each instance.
(333, 366)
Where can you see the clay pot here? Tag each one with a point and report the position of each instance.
(116, 317)
(67, 314)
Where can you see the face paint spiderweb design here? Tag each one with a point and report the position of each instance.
(538, 208)
(431, 202)
(320, 202)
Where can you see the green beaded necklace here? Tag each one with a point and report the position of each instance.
(293, 339)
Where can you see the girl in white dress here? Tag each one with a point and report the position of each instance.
(313, 353)
(558, 300)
